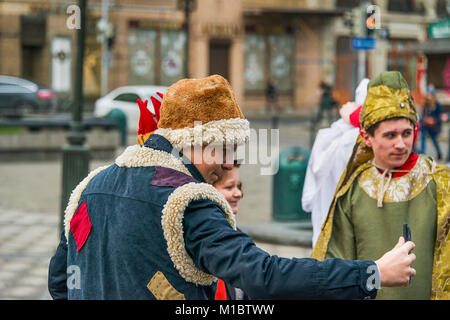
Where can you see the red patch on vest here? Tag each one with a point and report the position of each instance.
(81, 225)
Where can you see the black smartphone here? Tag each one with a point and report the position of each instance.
(406, 232)
(407, 236)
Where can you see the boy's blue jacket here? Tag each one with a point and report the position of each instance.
(149, 227)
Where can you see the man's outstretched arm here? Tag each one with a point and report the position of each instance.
(233, 257)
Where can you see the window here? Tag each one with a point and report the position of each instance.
(348, 4)
(172, 56)
(8, 88)
(401, 59)
(156, 57)
(268, 57)
(255, 52)
(15, 88)
(442, 8)
(346, 62)
(280, 56)
(439, 71)
(405, 6)
(127, 97)
(400, 5)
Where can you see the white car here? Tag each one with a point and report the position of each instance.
(124, 99)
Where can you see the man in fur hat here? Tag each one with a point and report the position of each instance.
(151, 225)
(384, 185)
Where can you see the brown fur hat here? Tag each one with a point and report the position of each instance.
(202, 111)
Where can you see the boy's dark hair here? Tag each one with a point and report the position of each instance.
(371, 130)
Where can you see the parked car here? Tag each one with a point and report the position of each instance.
(124, 99)
(19, 97)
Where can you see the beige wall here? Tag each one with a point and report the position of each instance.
(237, 67)
(308, 71)
(218, 19)
(10, 45)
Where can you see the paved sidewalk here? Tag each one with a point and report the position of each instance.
(27, 241)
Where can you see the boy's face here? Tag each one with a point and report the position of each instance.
(230, 186)
(391, 143)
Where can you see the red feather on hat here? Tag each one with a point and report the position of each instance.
(147, 123)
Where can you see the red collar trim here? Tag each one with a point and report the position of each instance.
(407, 166)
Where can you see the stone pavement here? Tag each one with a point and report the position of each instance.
(27, 241)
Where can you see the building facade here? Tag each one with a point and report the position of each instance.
(295, 44)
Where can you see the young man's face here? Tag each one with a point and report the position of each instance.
(212, 161)
(391, 143)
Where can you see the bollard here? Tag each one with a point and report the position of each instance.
(121, 120)
(288, 185)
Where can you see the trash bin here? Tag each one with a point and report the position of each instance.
(121, 119)
(287, 188)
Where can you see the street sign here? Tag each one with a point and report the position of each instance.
(440, 29)
(363, 43)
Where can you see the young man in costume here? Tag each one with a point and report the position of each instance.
(385, 185)
(151, 225)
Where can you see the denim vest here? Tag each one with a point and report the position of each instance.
(125, 254)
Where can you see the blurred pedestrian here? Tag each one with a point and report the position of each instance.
(152, 226)
(230, 186)
(431, 121)
(327, 103)
(271, 97)
(385, 185)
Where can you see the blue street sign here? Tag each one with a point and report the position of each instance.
(364, 43)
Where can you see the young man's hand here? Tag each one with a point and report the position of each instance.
(395, 265)
(346, 110)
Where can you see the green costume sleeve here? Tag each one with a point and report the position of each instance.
(342, 241)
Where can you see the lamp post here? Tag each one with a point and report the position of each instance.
(187, 6)
(362, 53)
(105, 31)
(75, 165)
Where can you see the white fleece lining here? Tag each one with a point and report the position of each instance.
(75, 196)
(172, 224)
(139, 156)
(230, 131)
